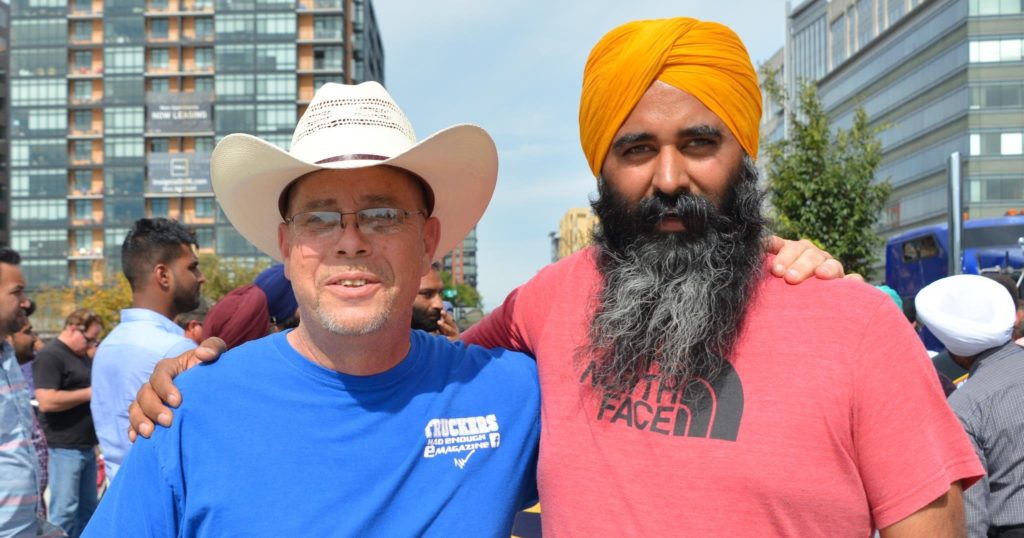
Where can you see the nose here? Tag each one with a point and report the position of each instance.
(437, 302)
(351, 242)
(670, 175)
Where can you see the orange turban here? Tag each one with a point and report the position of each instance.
(704, 59)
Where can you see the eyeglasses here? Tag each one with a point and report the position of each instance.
(372, 221)
(89, 340)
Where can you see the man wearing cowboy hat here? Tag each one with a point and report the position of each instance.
(351, 424)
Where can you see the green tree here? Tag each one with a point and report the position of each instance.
(821, 182)
(465, 295)
(107, 301)
(224, 275)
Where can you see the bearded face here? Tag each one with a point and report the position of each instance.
(673, 302)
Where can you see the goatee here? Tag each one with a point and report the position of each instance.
(673, 302)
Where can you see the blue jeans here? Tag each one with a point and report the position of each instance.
(72, 488)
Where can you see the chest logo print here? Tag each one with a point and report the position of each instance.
(461, 436)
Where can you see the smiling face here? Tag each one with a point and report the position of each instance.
(671, 143)
(351, 282)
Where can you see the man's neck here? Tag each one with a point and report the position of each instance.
(365, 355)
(164, 308)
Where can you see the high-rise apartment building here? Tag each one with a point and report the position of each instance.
(5, 195)
(576, 231)
(116, 105)
(940, 75)
(460, 263)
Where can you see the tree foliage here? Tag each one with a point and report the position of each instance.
(465, 295)
(223, 275)
(821, 182)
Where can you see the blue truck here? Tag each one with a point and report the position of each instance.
(919, 257)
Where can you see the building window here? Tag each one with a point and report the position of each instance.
(204, 58)
(204, 27)
(43, 273)
(235, 118)
(44, 152)
(1011, 143)
(123, 29)
(896, 10)
(123, 148)
(203, 84)
(159, 58)
(275, 57)
(159, 28)
(204, 144)
(328, 57)
(995, 143)
(83, 210)
(159, 145)
(39, 183)
(126, 181)
(234, 27)
(276, 25)
(81, 31)
(81, 90)
(124, 60)
(275, 117)
(39, 91)
(328, 26)
(83, 269)
(81, 150)
(31, 32)
(276, 87)
(113, 238)
(1003, 50)
(40, 243)
(159, 207)
(235, 87)
(123, 120)
(123, 211)
(204, 238)
(205, 208)
(82, 120)
(994, 7)
(865, 23)
(159, 85)
(838, 32)
(83, 181)
(39, 62)
(123, 90)
(235, 57)
(81, 61)
(1009, 95)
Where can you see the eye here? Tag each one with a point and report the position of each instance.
(379, 219)
(317, 221)
(637, 150)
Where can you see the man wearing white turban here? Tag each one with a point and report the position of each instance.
(973, 317)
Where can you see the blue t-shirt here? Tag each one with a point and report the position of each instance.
(267, 443)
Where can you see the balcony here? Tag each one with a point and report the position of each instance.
(85, 161)
(75, 194)
(81, 222)
(81, 72)
(85, 101)
(83, 134)
(76, 13)
(85, 253)
(320, 5)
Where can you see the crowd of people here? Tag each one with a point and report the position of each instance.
(685, 375)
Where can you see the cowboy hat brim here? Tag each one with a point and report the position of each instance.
(459, 164)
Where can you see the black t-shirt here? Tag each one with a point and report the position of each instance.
(57, 367)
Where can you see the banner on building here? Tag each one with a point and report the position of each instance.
(179, 112)
(183, 174)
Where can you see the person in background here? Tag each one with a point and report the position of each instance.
(192, 322)
(1010, 285)
(24, 342)
(254, 310)
(428, 310)
(158, 258)
(974, 318)
(62, 372)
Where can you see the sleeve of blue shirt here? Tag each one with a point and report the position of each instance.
(141, 501)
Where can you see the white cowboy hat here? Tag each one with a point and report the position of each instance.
(354, 127)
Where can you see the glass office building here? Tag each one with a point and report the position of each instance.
(115, 107)
(941, 75)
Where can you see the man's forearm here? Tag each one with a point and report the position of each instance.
(55, 401)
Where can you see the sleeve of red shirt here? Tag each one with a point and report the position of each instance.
(909, 445)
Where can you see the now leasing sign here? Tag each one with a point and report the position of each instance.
(179, 112)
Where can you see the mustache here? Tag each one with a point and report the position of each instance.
(696, 212)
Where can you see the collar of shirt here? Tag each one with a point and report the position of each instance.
(149, 316)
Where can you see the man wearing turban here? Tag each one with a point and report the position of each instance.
(684, 392)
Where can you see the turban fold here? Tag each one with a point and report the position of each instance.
(704, 59)
(240, 316)
(967, 313)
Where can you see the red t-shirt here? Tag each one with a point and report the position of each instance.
(830, 421)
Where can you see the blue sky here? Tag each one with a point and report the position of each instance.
(515, 68)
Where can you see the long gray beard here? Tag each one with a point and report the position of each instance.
(673, 303)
